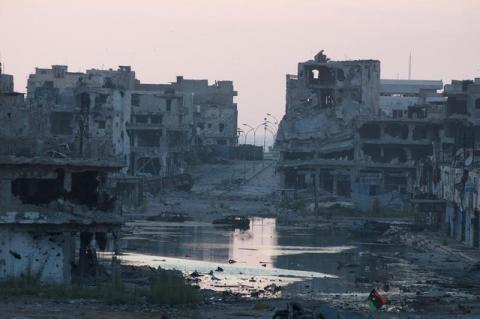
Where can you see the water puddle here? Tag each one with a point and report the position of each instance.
(251, 259)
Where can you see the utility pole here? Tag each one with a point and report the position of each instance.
(252, 128)
(410, 66)
(245, 156)
(264, 139)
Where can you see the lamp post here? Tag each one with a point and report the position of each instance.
(245, 154)
(276, 123)
(273, 117)
(251, 128)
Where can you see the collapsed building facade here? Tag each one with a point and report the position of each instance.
(340, 136)
(57, 203)
(154, 127)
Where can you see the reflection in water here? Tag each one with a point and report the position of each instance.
(257, 245)
(262, 244)
(264, 253)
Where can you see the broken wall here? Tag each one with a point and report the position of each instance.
(326, 96)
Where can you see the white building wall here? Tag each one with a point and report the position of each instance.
(42, 254)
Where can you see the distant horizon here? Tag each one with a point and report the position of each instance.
(252, 43)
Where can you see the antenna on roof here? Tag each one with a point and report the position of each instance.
(410, 66)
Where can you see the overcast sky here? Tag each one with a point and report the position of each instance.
(252, 42)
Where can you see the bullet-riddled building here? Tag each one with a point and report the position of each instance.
(154, 128)
(336, 136)
(316, 135)
(57, 203)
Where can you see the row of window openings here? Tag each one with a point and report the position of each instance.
(221, 126)
(135, 101)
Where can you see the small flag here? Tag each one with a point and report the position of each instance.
(376, 301)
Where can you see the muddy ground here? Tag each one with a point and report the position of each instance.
(335, 261)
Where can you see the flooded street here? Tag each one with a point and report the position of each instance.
(330, 256)
(328, 263)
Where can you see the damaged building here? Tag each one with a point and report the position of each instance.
(447, 193)
(84, 114)
(214, 113)
(55, 214)
(160, 130)
(352, 135)
(155, 128)
(57, 205)
(402, 98)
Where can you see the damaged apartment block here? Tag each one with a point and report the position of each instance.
(352, 135)
(57, 204)
(154, 128)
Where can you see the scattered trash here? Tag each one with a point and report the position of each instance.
(195, 274)
(231, 261)
(273, 288)
(219, 269)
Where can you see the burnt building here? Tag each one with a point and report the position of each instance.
(56, 207)
(84, 113)
(337, 137)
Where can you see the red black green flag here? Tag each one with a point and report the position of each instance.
(376, 301)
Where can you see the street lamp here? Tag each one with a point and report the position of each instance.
(275, 125)
(255, 132)
(273, 117)
(245, 152)
(251, 128)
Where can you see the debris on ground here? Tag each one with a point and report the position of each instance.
(234, 222)
(195, 274)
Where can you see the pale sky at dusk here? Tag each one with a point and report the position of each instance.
(253, 42)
